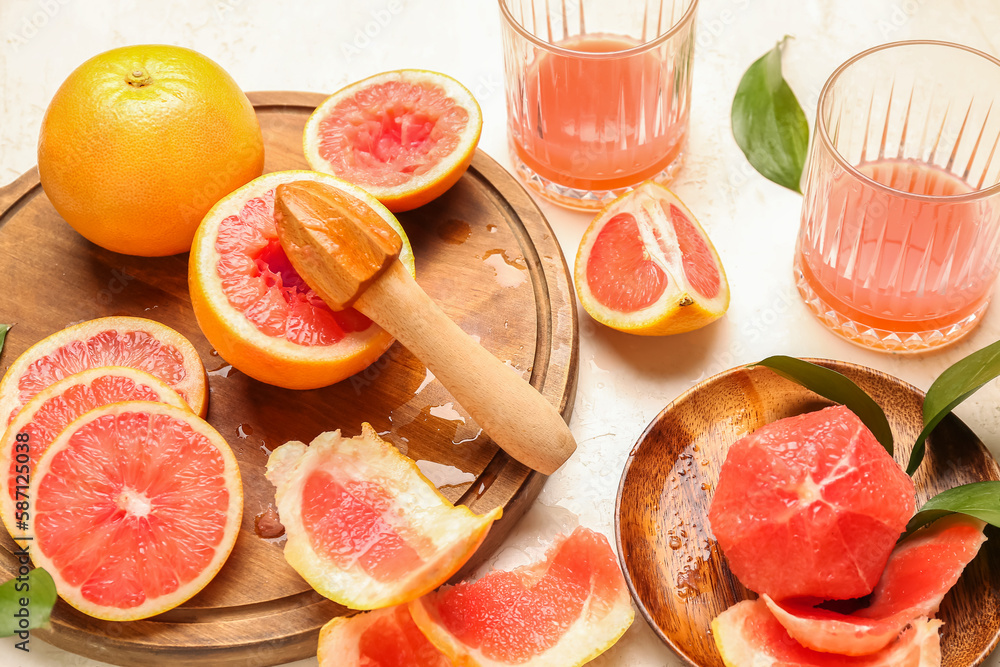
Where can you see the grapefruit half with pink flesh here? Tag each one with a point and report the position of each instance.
(405, 136)
(256, 310)
(645, 266)
(748, 634)
(810, 506)
(46, 415)
(365, 528)
(134, 508)
(109, 341)
(381, 638)
(920, 571)
(564, 610)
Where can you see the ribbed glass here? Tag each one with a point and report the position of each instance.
(899, 244)
(598, 93)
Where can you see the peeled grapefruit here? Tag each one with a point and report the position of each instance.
(562, 611)
(645, 266)
(46, 415)
(109, 341)
(381, 638)
(257, 311)
(365, 528)
(405, 136)
(810, 506)
(134, 508)
(140, 141)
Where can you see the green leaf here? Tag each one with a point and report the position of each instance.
(957, 383)
(4, 328)
(37, 592)
(768, 122)
(836, 387)
(979, 499)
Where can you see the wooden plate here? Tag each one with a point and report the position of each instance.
(678, 576)
(484, 252)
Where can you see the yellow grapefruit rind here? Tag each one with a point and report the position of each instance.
(429, 186)
(27, 414)
(194, 387)
(455, 531)
(678, 309)
(183, 593)
(272, 360)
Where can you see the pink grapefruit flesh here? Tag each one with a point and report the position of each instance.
(620, 272)
(382, 638)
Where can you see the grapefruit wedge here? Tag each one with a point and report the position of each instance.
(559, 612)
(920, 571)
(747, 634)
(810, 506)
(109, 341)
(381, 638)
(134, 508)
(257, 311)
(645, 266)
(46, 415)
(365, 528)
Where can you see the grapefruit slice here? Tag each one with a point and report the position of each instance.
(109, 341)
(134, 508)
(747, 634)
(810, 506)
(645, 266)
(564, 610)
(365, 528)
(920, 571)
(381, 638)
(405, 136)
(46, 415)
(257, 311)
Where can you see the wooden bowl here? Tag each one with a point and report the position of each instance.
(676, 572)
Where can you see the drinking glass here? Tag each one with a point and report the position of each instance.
(598, 93)
(898, 244)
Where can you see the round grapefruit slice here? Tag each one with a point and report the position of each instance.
(109, 341)
(920, 571)
(365, 528)
(564, 610)
(747, 634)
(405, 136)
(257, 311)
(134, 508)
(645, 266)
(381, 638)
(810, 506)
(46, 415)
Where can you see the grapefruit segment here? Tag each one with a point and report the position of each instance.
(646, 266)
(810, 506)
(405, 136)
(381, 638)
(365, 528)
(134, 508)
(562, 611)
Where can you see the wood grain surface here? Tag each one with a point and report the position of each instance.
(483, 252)
(679, 577)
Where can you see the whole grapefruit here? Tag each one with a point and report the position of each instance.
(141, 141)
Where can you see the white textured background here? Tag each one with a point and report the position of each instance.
(624, 381)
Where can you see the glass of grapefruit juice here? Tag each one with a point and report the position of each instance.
(899, 244)
(598, 94)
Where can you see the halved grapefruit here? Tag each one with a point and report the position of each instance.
(365, 528)
(747, 634)
(810, 506)
(134, 508)
(405, 136)
(257, 311)
(564, 610)
(109, 341)
(381, 638)
(46, 415)
(645, 266)
(920, 571)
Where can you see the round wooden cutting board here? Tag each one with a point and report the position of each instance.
(484, 252)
